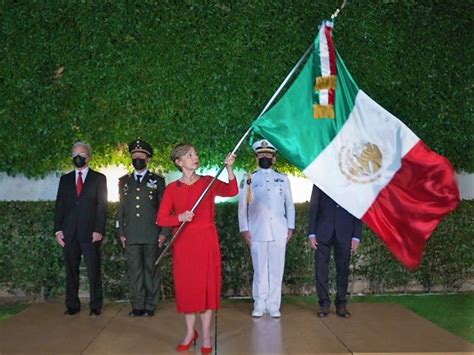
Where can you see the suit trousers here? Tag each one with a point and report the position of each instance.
(268, 260)
(342, 256)
(143, 276)
(72, 260)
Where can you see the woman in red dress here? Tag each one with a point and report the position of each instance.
(196, 251)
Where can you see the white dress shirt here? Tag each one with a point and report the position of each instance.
(84, 174)
(142, 174)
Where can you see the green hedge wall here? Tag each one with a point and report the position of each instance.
(108, 71)
(30, 259)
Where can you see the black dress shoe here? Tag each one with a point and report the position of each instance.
(71, 312)
(343, 312)
(148, 313)
(323, 312)
(95, 312)
(136, 313)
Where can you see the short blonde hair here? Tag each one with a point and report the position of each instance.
(180, 150)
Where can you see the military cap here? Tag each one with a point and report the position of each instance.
(263, 146)
(139, 145)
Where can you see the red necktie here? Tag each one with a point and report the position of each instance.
(79, 184)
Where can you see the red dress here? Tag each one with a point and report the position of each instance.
(196, 251)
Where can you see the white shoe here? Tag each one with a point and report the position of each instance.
(275, 314)
(257, 313)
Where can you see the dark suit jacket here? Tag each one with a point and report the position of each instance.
(327, 217)
(81, 216)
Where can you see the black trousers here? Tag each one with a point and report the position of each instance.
(342, 256)
(143, 275)
(73, 250)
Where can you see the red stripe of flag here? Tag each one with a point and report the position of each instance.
(331, 96)
(332, 62)
(410, 207)
(332, 50)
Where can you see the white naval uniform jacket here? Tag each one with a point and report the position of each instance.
(271, 211)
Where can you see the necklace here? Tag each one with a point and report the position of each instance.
(192, 180)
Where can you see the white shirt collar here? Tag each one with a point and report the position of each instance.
(84, 173)
(266, 171)
(142, 174)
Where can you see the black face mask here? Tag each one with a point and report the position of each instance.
(79, 161)
(139, 164)
(265, 162)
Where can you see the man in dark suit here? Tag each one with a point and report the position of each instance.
(79, 223)
(331, 226)
(140, 196)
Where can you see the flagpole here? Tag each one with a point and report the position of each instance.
(334, 15)
(237, 146)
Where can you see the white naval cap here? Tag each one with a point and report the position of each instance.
(263, 146)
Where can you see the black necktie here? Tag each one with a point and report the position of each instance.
(139, 178)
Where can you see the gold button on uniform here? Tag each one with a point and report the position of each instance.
(138, 214)
(138, 197)
(138, 206)
(138, 189)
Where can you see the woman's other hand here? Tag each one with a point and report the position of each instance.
(186, 216)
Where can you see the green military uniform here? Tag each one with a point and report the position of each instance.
(139, 203)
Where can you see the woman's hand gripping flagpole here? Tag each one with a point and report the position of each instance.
(237, 146)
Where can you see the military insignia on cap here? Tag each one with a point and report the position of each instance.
(263, 146)
(140, 146)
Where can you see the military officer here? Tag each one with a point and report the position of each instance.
(266, 222)
(140, 195)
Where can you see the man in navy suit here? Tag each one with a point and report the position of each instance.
(79, 224)
(331, 226)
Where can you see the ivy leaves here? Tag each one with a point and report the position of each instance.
(109, 72)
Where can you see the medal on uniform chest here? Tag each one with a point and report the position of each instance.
(152, 184)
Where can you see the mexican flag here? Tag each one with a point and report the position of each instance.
(359, 154)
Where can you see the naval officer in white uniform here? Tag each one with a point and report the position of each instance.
(266, 221)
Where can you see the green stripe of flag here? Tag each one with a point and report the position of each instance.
(289, 124)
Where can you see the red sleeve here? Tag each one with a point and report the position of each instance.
(226, 189)
(166, 216)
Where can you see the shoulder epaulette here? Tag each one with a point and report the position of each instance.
(124, 177)
(158, 176)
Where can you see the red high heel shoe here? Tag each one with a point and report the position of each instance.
(205, 350)
(184, 347)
